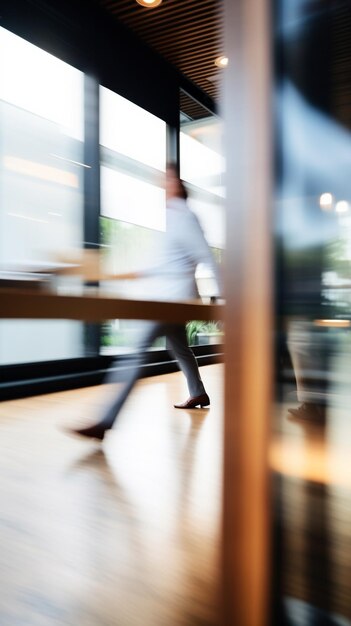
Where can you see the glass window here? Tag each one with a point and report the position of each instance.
(41, 183)
(124, 245)
(41, 84)
(200, 164)
(202, 167)
(211, 214)
(129, 130)
(132, 200)
(133, 204)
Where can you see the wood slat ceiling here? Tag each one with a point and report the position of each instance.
(188, 33)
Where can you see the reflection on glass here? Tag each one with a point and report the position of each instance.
(41, 182)
(313, 235)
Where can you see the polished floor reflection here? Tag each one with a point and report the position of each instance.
(311, 461)
(120, 534)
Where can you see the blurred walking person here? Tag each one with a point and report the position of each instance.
(184, 247)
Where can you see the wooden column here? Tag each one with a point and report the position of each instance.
(248, 136)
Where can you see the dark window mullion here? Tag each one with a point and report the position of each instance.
(91, 192)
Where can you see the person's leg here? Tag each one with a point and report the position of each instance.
(129, 378)
(177, 342)
(299, 345)
(308, 349)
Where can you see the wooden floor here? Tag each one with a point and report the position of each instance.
(123, 534)
(127, 533)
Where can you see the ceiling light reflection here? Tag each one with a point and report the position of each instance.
(342, 206)
(326, 201)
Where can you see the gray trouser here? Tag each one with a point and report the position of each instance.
(177, 343)
(310, 350)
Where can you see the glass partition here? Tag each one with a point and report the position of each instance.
(41, 184)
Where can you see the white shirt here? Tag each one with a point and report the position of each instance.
(182, 247)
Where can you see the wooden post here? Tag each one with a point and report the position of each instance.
(248, 319)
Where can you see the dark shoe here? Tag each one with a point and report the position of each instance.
(191, 403)
(92, 432)
(309, 411)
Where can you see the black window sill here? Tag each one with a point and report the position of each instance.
(18, 381)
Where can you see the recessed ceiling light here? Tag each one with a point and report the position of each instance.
(150, 4)
(222, 61)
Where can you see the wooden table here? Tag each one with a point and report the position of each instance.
(96, 306)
